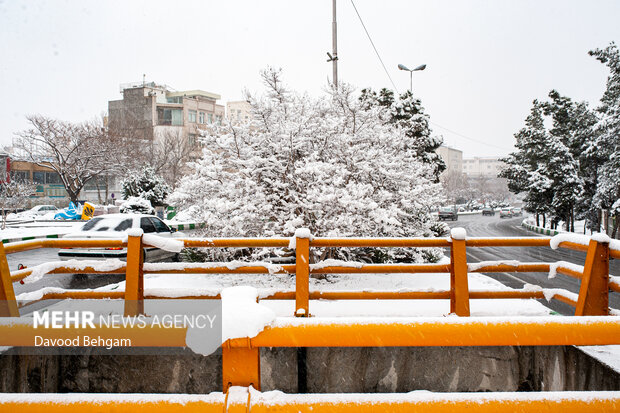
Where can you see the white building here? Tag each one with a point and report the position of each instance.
(453, 158)
(482, 166)
(238, 111)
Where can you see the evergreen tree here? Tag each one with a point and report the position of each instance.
(525, 170)
(407, 113)
(145, 184)
(608, 140)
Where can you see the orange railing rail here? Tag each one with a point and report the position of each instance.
(241, 362)
(592, 299)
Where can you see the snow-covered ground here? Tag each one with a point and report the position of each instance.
(39, 229)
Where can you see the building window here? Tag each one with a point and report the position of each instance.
(218, 119)
(238, 115)
(210, 118)
(192, 116)
(201, 118)
(192, 139)
(52, 178)
(176, 99)
(167, 116)
(38, 177)
(20, 176)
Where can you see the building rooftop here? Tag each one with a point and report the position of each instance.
(193, 93)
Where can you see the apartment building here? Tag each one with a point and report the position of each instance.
(150, 111)
(482, 167)
(238, 111)
(453, 158)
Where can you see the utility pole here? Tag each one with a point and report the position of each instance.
(334, 57)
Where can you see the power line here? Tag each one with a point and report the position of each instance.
(373, 46)
(468, 138)
(396, 89)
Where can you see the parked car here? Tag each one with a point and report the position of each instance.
(448, 213)
(505, 213)
(115, 226)
(488, 211)
(42, 209)
(517, 212)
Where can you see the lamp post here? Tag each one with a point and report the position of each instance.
(403, 67)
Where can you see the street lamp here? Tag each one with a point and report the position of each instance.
(403, 67)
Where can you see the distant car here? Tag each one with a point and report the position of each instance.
(488, 211)
(115, 226)
(505, 213)
(517, 212)
(448, 214)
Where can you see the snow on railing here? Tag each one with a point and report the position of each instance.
(458, 235)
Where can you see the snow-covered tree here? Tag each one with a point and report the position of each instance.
(13, 195)
(523, 170)
(78, 152)
(407, 113)
(608, 140)
(546, 164)
(325, 163)
(138, 205)
(146, 184)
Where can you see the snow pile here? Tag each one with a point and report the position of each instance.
(458, 233)
(299, 233)
(601, 237)
(166, 244)
(134, 232)
(336, 263)
(242, 316)
(552, 292)
(553, 267)
(568, 237)
(231, 265)
(482, 264)
(78, 265)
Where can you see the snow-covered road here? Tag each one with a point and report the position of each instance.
(493, 226)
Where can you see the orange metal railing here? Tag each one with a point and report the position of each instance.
(593, 295)
(241, 362)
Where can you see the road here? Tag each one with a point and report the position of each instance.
(492, 226)
(69, 281)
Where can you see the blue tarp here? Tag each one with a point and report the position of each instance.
(71, 212)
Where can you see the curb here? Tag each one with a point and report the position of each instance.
(8, 240)
(544, 231)
(178, 227)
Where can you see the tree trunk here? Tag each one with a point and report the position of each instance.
(537, 219)
(616, 223)
(107, 189)
(544, 220)
(98, 191)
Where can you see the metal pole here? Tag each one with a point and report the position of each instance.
(334, 45)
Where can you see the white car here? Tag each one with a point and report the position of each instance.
(115, 226)
(42, 210)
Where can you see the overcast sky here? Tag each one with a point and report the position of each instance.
(487, 60)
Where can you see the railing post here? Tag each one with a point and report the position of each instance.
(302, 272)
(8, 305)
(594, 289)
(134, 275)
(240, 367)
(459, 288)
